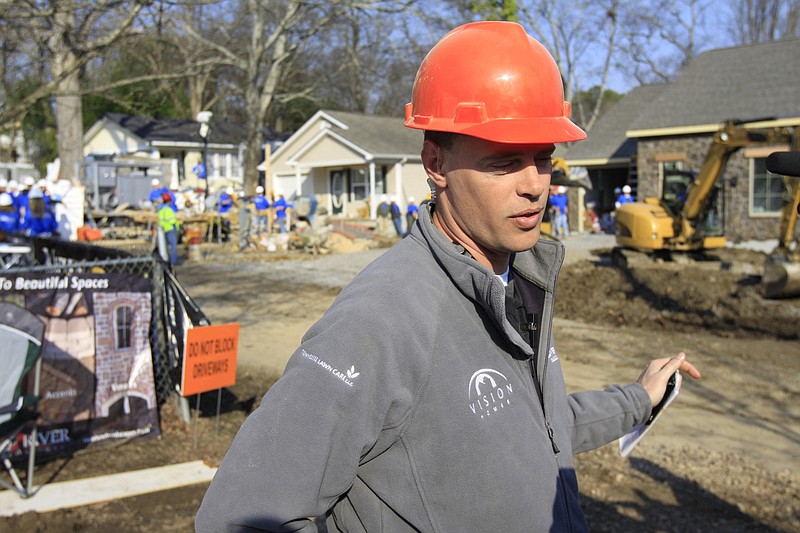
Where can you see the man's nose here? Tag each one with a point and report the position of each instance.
(532, 182)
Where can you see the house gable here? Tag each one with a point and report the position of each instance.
(348, 158)
(108, 137)
(330, 150)
(332, 138)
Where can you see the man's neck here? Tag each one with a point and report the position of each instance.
(497, 263)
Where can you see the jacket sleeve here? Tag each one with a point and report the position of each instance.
(600, 417)
(342, 392)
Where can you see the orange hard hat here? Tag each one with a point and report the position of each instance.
(493, 81)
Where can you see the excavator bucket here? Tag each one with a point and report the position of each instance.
(781, 278)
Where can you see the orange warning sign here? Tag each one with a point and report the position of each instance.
(209, 358)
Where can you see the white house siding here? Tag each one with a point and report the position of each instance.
(112, 139)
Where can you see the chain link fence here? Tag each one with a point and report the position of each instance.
(59, 258)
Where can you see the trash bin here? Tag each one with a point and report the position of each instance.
(194, 236)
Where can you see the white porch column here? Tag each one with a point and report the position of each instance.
(298, 184)
(398, 183)
(173, 170)
(373, 207)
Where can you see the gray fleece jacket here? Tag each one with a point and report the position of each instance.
(403, 409)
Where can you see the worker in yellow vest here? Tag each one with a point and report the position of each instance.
(168, 220)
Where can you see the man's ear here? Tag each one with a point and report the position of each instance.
(432, 161)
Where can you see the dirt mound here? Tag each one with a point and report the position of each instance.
(720, 295)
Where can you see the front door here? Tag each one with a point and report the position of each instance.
(338, 188)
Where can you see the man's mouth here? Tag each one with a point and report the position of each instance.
(527, 219)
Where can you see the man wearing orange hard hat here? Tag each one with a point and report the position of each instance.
(430, 397)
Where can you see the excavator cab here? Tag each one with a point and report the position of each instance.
(676, 189)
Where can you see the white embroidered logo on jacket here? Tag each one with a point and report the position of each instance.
(489, 392)
(346, 376)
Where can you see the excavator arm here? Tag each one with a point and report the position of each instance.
(731, 137)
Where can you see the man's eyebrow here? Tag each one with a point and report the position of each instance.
(521, 152)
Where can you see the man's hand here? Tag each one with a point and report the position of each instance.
(656, 374)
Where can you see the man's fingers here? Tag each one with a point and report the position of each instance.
(690, 369)
(679, 362)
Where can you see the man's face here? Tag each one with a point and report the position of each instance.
(491, 196)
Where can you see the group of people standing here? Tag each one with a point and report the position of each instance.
(167, 204)
(261, 204)
(257, 213)
(559, 210)
(389, 209)
(27, 208)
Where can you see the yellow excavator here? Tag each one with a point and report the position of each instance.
(687, 219)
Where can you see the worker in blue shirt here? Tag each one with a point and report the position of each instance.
(224, 206)
(412, 212)
(560, 207)
(21, 199)
(157, 192)
(625, 197)
(225, 201)
(9, 217)
(38, 220)
(261, 203)
(280, 207)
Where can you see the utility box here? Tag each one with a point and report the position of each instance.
(128, 180)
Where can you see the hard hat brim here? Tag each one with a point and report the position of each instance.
(511, 130)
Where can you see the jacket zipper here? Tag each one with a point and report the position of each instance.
(533, 332)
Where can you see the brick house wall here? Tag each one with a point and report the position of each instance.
(114, 366)
(692, 149)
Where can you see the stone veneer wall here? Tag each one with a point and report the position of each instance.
(739, 225)
(114, 367)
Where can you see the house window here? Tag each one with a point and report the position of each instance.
(359, 184)
(123, 327)
(766, 189)
(380, 180)
(221, 165)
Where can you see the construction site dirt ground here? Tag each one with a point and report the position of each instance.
(724, 457)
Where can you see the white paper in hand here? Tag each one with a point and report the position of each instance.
(629, 441)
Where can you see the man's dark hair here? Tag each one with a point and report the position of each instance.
(444, 139)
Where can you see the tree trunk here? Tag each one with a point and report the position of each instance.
(69, 127)
(68, 110)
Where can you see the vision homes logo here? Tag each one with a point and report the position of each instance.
(489, 392)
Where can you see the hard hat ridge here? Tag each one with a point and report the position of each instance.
(493, 81)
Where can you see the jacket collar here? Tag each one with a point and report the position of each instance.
(540, 265)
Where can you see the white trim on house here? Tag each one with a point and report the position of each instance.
(677, 130)
(599, 161)
(710, 128)
(97, 127)
(305, 127)
(193, 145)
(312, 143)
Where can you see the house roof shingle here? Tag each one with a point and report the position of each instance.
(378, 134)
(742, 82)
(177, 130)
(607, 139)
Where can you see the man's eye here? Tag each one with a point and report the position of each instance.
(501, 166)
